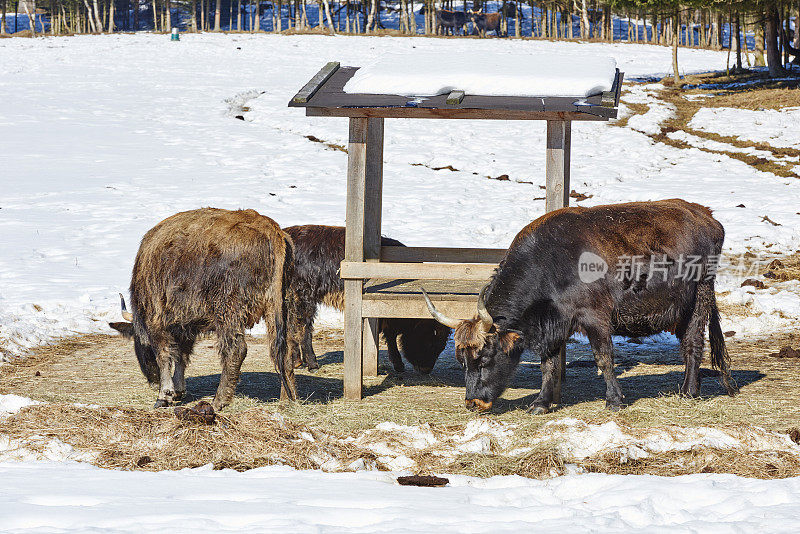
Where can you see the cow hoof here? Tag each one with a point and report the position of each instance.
(178, 395)
(613, 407)
(161, 403)
(538, 409)
(313, 366)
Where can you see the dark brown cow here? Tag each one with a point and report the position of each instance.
(486, 22)
(208, 270)
(631, 269)
(318, 251)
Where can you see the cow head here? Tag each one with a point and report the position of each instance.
(422, 341)
(488, 353)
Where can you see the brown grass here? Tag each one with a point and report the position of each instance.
(100, 369)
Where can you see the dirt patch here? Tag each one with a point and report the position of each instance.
(747, 90)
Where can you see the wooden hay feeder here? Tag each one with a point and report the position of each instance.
(385, 281)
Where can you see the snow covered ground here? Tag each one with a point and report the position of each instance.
(58, 491)
(71, 497)
(105, 136)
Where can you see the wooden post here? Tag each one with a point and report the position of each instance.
(372, 232)
(362, 242)
(354, 251)
(559, 138)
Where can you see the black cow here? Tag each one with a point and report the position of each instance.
(318, 252)
(559, 277)
(450, 20)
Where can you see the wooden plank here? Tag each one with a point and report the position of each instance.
(354, 251)
(442, 254)
(378, 289)
(370, 345)
(461, 113)
(315, 83)
(557, 163)
(416, 271)
(416, 309)
(455, 97)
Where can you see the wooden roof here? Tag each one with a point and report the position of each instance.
(323, 95)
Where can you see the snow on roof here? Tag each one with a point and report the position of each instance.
(490, 74)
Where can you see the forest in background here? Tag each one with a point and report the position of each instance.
(765, 27)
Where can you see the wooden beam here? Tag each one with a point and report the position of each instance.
(313, 85)
(416, 271)
(459, 113)
(557, 163)
(370, 344)
(416, 308)
(455, 97)
(373, 188)
(354, 251)
(442, 254)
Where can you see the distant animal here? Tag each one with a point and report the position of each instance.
(567, 272)
(201, 271)
(787, 43)
(451, 21)
(318, 252)
(486, 22)
(511, 9)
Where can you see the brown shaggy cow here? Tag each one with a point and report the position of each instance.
(632, 269)
(208, 270)
(318, 251)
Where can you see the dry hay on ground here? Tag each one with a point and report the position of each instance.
(124, 432)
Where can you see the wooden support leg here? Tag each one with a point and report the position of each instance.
(559, 138)
(369, 346)
(362, 242)
(372, 231)
(353, 372)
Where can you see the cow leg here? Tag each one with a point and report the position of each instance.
(181, 354)
(309, 357)
(165, 356)
(390, 335)
(549, 368)
(295, 337)
(603, 350)
(692, 343)
(232, 351)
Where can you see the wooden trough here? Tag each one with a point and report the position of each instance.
(385, 281)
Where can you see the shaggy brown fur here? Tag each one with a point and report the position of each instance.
(318, 252)
(202, 271)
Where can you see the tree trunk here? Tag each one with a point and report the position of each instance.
(759, 44)
(155, 17)
(194, 16)
(676, 29)
(257, 18)
(737, 29)
(88, 15)
(3, 19)
(111, 16)
(98, 21)
(371, 17)
(327, 5)
(773, 54)
(32, 20)
(217, 15)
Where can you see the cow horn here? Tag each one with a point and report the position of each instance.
(439, 316)
(483, 313)
(128, 316)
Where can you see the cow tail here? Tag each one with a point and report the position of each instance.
(720, 359)
(280, 297)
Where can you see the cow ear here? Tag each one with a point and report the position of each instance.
(509, 338)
